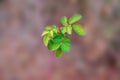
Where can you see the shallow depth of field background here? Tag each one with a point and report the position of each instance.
(93, 57)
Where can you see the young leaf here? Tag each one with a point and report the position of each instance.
(54, 26)
(58, 52)
(69, 30)
(51, 33)
(46, 39)
(66, 41)
(53, 45)
(55, 29)
(44, 33)
(48, 28)
(75, 18)
(65, 48)
(64, 20)
(79, 29)
(63, 30)
(58, 38)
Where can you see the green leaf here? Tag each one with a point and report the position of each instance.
(44, 33)
(58, 52)
(63, 30)
(65, 48)
(66, 41)
(46, 39)
(51, 33)
(55, 29)
(64, 20)
(79, 29)
(48, 28)
(53, 45)
(69, 30)
(75, 18)
(54, 26)
(58, 38)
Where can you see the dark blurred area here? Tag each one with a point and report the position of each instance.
(93, 57)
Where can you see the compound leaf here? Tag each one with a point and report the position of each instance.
(56, 38)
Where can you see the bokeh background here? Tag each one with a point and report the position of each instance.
(93, 57)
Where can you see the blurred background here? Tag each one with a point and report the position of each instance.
(93, 57)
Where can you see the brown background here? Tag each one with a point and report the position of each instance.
(93, 57)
